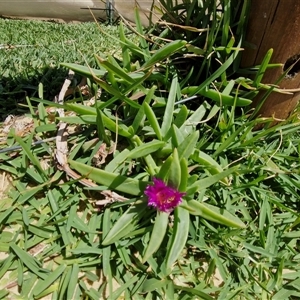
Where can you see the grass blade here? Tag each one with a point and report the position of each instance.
(29, 261)
(31, 156)
(43, 285)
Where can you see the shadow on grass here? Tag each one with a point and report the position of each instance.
(14, 90)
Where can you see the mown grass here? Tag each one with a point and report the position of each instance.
(31, 51)
(169, 109)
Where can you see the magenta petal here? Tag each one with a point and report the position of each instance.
(163, 197)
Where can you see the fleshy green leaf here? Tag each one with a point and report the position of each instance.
(111, 180)
(174, 174)
(146, 149)
(126, 223)
(84, 71)
(168, 116)
(164, 52)
(208, 181)
(157, 235)
(190, 124)
(176, 136)
(184, 175)
(179, 236)
(187, 147)
(165, 168)
(220, 98)
(214, 214)
(212, 166)
(152, 120)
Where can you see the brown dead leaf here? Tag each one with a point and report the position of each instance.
(21, 124)
(100, 157)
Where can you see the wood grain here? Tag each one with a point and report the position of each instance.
(275, 24)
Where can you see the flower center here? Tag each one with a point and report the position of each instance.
(163, 199)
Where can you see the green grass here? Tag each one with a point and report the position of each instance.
(31, 51)
(173, 107)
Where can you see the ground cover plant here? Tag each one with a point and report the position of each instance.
(168, 123)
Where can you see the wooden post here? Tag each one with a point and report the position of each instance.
(275, 24)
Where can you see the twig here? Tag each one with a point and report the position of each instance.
(62, 149)
(187, 28)
(62, 134)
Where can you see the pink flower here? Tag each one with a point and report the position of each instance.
(163, 197)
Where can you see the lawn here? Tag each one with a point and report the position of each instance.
(31, 52)
(153, 179)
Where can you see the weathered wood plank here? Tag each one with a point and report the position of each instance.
(275, 24)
